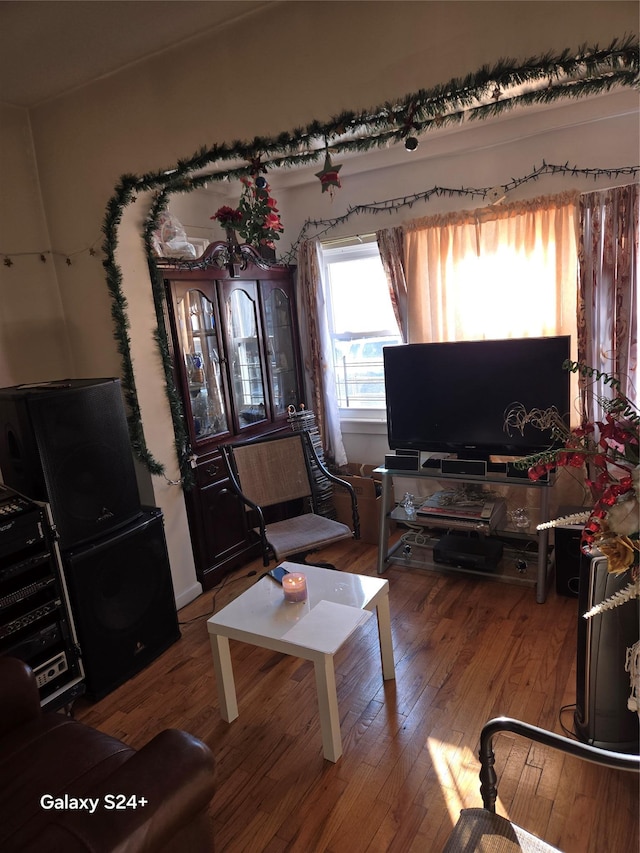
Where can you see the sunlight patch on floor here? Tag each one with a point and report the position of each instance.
(457, 769)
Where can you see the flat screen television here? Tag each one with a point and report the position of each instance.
(453, 397)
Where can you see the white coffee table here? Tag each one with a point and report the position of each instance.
(313, 630)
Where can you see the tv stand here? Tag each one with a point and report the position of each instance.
(506, 475)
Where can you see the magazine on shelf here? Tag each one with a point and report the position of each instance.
(446, 504)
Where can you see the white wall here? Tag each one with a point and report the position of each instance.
(34, 344)
(285, 67)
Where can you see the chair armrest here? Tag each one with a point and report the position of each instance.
(354, 500)
(19, 697)
(174, 772)
(338, 481)
(488, 779)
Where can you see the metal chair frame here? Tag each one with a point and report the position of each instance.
(304, 488)
(482, 829)
(594, 754)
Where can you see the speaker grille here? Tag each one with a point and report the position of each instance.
(568, 557)
(123, 602)
(68, 444)
(602, 717)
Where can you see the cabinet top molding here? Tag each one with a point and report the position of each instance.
(233, 259)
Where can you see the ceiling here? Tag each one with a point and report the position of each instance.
(51, 47)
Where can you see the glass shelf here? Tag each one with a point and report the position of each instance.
(200, 345)
(518, 540)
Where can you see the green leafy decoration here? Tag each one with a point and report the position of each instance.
(590, 70)
(260, 223)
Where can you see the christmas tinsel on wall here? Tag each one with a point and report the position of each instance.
(488, 92)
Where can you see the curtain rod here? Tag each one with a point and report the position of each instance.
(605, 189)
(354, 238)
(362, 238)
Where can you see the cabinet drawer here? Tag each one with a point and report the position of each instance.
(210, 470)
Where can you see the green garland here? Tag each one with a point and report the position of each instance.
(477, 96)
(124, 196)
(181, 439)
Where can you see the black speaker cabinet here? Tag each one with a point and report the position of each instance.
(568, 557)
(602, 717)
(122, 601)
(67, 443)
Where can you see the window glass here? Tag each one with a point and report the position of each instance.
(361, 322)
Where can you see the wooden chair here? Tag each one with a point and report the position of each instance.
(484, 831)
(276, 478)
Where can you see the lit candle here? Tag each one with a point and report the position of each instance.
(295, 587)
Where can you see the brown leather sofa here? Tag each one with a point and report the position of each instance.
(68, 788)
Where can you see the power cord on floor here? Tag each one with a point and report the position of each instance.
(568, 732)
(221, 585)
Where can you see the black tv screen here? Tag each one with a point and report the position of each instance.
(453, 397)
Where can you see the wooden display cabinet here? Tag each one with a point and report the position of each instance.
(236, 355)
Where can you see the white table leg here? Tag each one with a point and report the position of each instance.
(386, 640)
(328, 707)
(224, 677)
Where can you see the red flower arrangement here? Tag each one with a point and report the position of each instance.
(228, 217)
(261, 223)
(609, 449)
(610, 452)
(256, 218)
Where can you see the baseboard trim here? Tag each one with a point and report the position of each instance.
(188, 595)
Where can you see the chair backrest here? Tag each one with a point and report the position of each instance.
(272, 471)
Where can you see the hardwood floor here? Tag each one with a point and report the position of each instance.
(465, 651)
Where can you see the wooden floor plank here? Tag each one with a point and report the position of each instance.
(465, 650)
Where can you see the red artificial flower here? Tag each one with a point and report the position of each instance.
(583, 430)
(227, 216)
(537, 471)
(272, 221)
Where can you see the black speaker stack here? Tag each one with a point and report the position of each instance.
(66, 443)
(602, 717)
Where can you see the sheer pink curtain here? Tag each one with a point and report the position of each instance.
(502, 271)
(317, 351)
(608, 292)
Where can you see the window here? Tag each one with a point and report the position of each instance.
(361, 323)
(506, 294)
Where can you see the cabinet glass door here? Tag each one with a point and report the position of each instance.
(199, 342)
(280, 351)
(247, 386)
